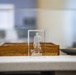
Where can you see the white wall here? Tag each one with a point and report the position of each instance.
(57, 17)
(57, 25)
(57, 4)
(74, 20)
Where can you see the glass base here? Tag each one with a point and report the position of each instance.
(36, 54)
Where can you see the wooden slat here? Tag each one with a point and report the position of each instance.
(21, 49)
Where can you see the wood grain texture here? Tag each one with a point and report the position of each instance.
(21, 49)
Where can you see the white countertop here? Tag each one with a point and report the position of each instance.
(19, 59)
(38, 63)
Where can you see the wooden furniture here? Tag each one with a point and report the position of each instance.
(21, 49)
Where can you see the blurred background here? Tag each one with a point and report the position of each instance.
(56, 17)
